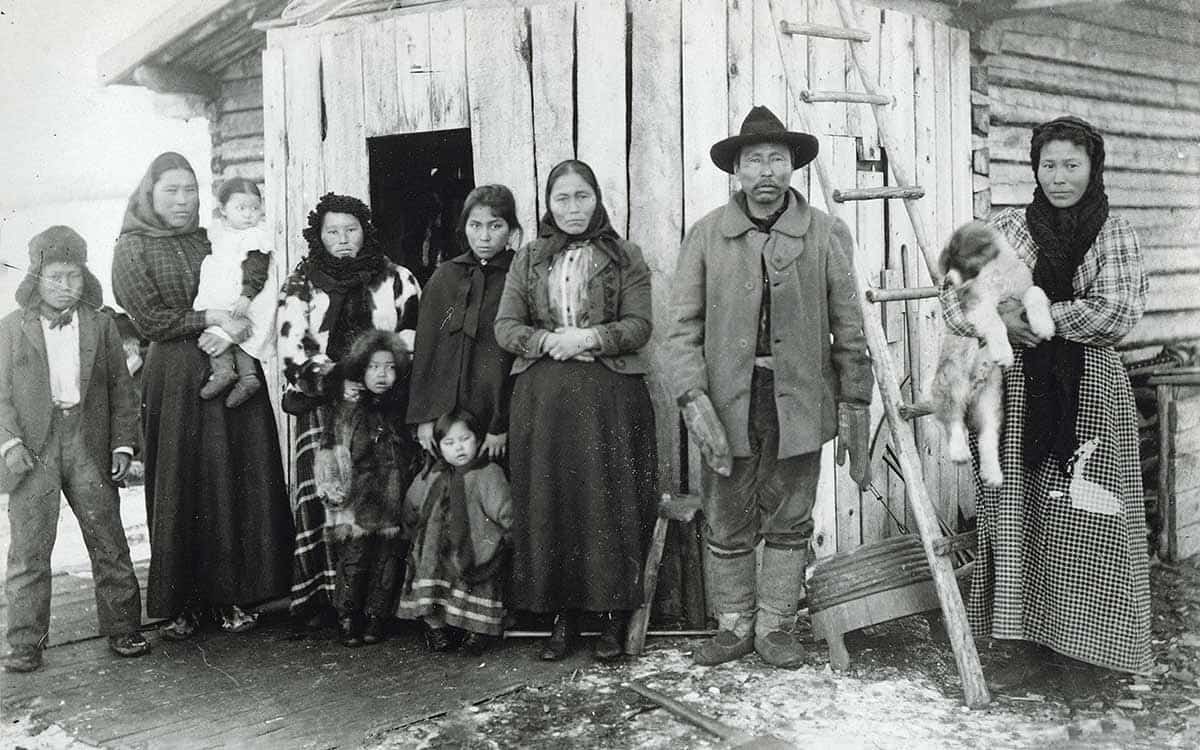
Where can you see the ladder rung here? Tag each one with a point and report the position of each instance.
(900, 294)
(856, 97)
(825, 32)
(879, 193)
(914, 411)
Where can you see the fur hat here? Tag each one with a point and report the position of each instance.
(762, 126)
(58, 244)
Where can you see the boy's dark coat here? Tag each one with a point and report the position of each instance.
(108, 401)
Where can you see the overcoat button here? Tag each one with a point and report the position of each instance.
(749, 286)
(619, 363)
(743, 343)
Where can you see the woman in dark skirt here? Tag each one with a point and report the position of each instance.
(582, 458)
(217, 507)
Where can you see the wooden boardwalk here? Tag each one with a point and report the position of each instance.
(252, 690)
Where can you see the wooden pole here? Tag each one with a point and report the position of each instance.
(975, 692)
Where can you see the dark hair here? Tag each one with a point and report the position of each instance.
(354, 364)
(496, 197)
(574, 166)
(235, 185)
(446, 421)
(332, 203)
(1072, 130)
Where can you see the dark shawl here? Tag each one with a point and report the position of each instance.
(457, 360)
(1054, 368)
(448, 500)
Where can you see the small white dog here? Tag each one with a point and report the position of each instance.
(985, 271)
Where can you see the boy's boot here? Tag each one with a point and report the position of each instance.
(223, 375)
(247, 384)
(730, 580)
(780, 580)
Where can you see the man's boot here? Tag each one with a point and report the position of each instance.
(780, 580)
(730, 581)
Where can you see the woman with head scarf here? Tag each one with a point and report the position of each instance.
(220, 532)
(1062, 567)
(345, 286)
(576, 312)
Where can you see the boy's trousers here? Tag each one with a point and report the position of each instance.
(65, 465)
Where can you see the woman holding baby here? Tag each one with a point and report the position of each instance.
(1062, 570)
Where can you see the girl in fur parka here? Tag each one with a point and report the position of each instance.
(367, 460)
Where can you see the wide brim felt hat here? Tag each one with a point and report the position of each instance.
(762, 126)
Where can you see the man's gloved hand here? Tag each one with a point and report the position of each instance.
(706, 429)
(854, 430)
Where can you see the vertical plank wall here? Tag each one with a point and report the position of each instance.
(694, 69)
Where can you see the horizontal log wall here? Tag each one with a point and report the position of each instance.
(1131, 71)
(236, 125)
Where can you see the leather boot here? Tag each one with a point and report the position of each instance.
(609, 645)
(562, 637)
(730, 583)
(350, 631)
(780, 580)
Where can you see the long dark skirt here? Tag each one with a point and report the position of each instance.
(582, 460)
(216, 501)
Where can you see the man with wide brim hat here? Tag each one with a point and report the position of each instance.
(767, 361)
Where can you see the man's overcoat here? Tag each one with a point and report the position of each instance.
(817, 342)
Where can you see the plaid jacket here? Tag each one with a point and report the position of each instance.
(1110, 284)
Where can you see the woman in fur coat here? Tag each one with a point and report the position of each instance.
(344, 287)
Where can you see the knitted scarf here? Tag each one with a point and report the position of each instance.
(1054, 368)
(348, 282)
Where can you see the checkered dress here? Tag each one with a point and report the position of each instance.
(1062, 557)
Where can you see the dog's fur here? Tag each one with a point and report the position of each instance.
(985, 271)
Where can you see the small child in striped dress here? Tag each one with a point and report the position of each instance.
(457, 515)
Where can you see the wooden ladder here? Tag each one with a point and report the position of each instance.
(975, 692)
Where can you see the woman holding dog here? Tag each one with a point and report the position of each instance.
(1062, 566)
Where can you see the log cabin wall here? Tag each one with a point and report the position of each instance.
(640, 89)
(236, 122)
(1131, 70)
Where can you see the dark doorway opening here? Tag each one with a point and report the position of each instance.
(418, 184)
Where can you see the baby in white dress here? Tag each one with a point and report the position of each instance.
(239, 276)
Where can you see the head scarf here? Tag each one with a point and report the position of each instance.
(599, 232)
(347, 281)
(1054, 368)
(140, 217)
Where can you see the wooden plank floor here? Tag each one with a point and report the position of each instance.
(257, 689)
(261, 689)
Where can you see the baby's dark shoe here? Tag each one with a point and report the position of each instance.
(349, 632)
(217, 384)
(475, 644)
(374, 630)
(438, 639)
(247, 386)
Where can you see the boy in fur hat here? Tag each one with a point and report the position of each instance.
(68, 424)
